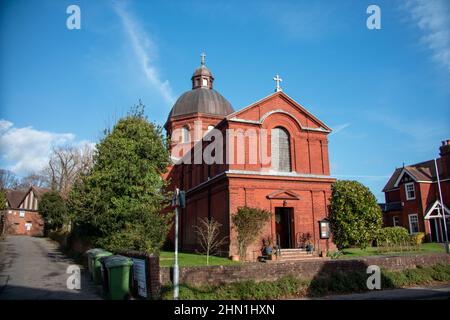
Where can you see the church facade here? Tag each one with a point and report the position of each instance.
(272, 154)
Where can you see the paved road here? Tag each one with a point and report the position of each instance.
(35, 269)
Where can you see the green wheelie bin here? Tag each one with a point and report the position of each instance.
(94, 265)
(118, 270)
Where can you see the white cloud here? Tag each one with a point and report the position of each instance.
(26, 149)
(5, 125)
(339, 128)
(145, 51)
(432, 16)
(366, 177)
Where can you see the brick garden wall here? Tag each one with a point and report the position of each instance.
(216, 275)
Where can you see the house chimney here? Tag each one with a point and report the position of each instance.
(445, 158)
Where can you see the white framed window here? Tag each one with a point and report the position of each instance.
(22, 213)
(205, 82)
(413, 223)
(410, 191)
(396, 221)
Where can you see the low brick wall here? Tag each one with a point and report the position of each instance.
(306, 269)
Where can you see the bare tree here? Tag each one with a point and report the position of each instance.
(66, 164)
(208, 232)
(34, 179)
(8, 179)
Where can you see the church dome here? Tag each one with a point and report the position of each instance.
(202, 98)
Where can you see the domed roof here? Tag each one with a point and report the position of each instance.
(201, 100)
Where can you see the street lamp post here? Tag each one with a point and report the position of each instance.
(447, 249)
(179, 202)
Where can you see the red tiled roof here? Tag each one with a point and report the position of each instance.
(423, 171)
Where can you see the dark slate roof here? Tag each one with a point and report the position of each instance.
(391, 206)
(15, 197)
(201, 100)
(423, 171)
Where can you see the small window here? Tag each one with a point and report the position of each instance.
(185, 135)
(396, 221)
(205, 82)
(22, 213)
(413, 223)
(410, 191)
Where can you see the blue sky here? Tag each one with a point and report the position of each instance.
(386, 93)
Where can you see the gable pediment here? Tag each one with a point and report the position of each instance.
(283, 195)
(435, 211)
(404, 177)
(278, 103)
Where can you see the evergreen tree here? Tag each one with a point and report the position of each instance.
(120, 202)
(355, 217)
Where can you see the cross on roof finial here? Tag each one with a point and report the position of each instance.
(277, 80)
(203, 55)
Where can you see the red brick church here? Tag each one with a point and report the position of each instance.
(272, 154)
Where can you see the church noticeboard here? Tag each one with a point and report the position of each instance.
(139, 276)
(324, 226)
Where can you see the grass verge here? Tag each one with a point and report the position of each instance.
(424, 248)
(192, 259)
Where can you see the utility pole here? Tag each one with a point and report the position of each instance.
(447, 249)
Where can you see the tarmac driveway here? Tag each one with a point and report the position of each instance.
(34, 268)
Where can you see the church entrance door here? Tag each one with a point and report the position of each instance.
(284, 222)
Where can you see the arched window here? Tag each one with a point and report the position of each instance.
(281, 150)
(185, 135)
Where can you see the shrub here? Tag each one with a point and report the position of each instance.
(355, 216)
(417, 238)
(2, 200)
(334, 254)
(53, 209)
(249, 223)
(392, 236)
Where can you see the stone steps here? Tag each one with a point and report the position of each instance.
(295, 254)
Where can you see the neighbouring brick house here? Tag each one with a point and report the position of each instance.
(295, 185)
(22, 216)
(412, 197)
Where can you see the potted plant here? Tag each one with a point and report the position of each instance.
(268, 248)
(308, 243)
